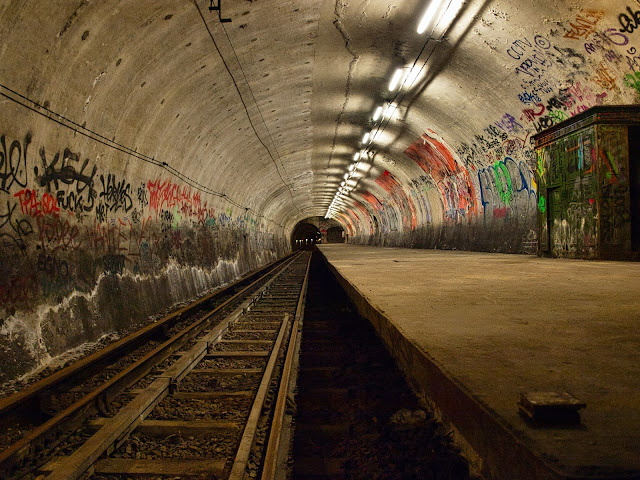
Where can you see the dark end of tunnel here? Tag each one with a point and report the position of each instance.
(316, 230)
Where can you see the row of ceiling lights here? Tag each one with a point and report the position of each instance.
(403, 77)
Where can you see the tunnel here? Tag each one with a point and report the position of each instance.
(316, 230)
(305, 234)
(153, 151)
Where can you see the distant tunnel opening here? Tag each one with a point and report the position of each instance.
(313, 230)
(304, 236)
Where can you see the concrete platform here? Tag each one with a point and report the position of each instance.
(474, 330)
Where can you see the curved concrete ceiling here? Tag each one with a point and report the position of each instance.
(270, 108)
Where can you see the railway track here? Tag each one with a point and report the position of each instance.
(173, 396)
(356, 416)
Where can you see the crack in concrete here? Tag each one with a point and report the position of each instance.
(339, 9)
(72, 17)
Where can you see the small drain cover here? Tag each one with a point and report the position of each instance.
(554, 407)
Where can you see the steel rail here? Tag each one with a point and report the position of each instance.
(117, 429)
(248, 435)
(31, 392)
(18, 451)
(270, 464)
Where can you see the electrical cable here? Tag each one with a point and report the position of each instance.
(244, 105)
(257, 107)
(382, 126)
(53, 116)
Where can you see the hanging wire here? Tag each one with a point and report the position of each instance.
(244, 105)
(383, 125)
(49, 114)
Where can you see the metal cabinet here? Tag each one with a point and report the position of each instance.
(588, 185)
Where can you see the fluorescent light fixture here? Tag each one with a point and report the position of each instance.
(388, 111)
(377, 114)
(365, 139)
(356, 156)
(342, 184)
(352, 167)
(412, 76)
(346, 176)
(395, 80)
(428, 16)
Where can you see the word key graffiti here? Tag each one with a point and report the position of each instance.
(59, 174)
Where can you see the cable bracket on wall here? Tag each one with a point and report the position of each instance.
(218, 7)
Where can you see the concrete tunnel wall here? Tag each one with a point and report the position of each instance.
(138, 168)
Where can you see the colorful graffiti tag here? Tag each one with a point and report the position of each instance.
(446, 173)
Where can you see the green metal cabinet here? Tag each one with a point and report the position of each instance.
(588, 184)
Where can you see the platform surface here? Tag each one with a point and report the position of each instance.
(505, 324)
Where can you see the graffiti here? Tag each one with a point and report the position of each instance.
(57, 234)
(166, 218)
(419, 188)
(529, 98)
(629, 21)
(570, 58)
(381, 215)
(52, 266)
(166, 195)
(538, 87)
(535, 60)
(366, 217)
(633, 60)
(605, 42)
(113, 264)
(538, 56)
(50, 247)
(101, 213)
(542, 204)
(509, 124)
(13, 231)
(108, 238)
(565, 104)
(225, 218)
(391, 185)
(59, 173)
(19, 291)
(531, 114)
(13, 163)
(136, 216)
(612, 169)
(447, 174)
(32, 206)
(143, 198)
(557, 116)
(633, 81)
(504, 182)
(519, 48)
(115, 194)
(603, 78)
(584, 24)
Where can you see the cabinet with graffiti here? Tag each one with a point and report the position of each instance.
(588, 177)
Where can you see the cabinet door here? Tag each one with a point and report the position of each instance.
(557, 223)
